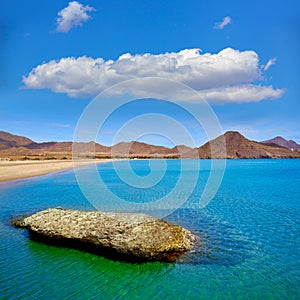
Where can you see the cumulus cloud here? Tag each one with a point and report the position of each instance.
(270, 63)
(72, 15)
(223, 23)
(226, 76)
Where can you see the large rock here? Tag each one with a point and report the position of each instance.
(124, 235)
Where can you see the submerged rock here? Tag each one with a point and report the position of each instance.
(127, 236)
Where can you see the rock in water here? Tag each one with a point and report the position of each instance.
(131, 236)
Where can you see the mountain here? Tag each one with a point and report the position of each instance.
(229, 145)
(234, 145)
(68, 146)
(280, 141)
(8, 140)
(138, 148)
(182, 149)
(17, 147)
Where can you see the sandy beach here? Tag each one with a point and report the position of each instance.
(11, 170)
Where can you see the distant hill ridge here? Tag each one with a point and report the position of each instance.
(237, 146)
(8, 140)
(229, 145)
(280, 141)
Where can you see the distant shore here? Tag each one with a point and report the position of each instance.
(11, 170)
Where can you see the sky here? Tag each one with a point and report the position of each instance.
(240, 58)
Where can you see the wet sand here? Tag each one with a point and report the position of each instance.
(11, 170)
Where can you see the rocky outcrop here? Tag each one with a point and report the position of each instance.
(129, 236)
(234, 145)
(281, 142)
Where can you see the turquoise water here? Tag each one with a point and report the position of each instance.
(250, 238)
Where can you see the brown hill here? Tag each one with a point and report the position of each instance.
(68, 146)
(237, 146)
(230, 145)
(182, 149)
(12, 146)
(8, 140)
(281, 142)
(125, 149)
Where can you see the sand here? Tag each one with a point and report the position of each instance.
(11, 170)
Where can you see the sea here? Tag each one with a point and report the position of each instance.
(249, 232)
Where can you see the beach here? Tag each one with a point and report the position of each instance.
(11, 170)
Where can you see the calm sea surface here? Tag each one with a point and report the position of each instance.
(250, 235)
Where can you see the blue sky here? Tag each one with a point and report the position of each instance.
(56, 56)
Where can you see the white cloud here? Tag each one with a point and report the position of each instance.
(227, 76)
(241, 93)
(72, 15)
(225, 22)
(270, 63)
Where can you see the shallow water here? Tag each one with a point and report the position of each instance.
(250, 241)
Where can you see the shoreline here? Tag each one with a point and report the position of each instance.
(20, 169)
(13, 170)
